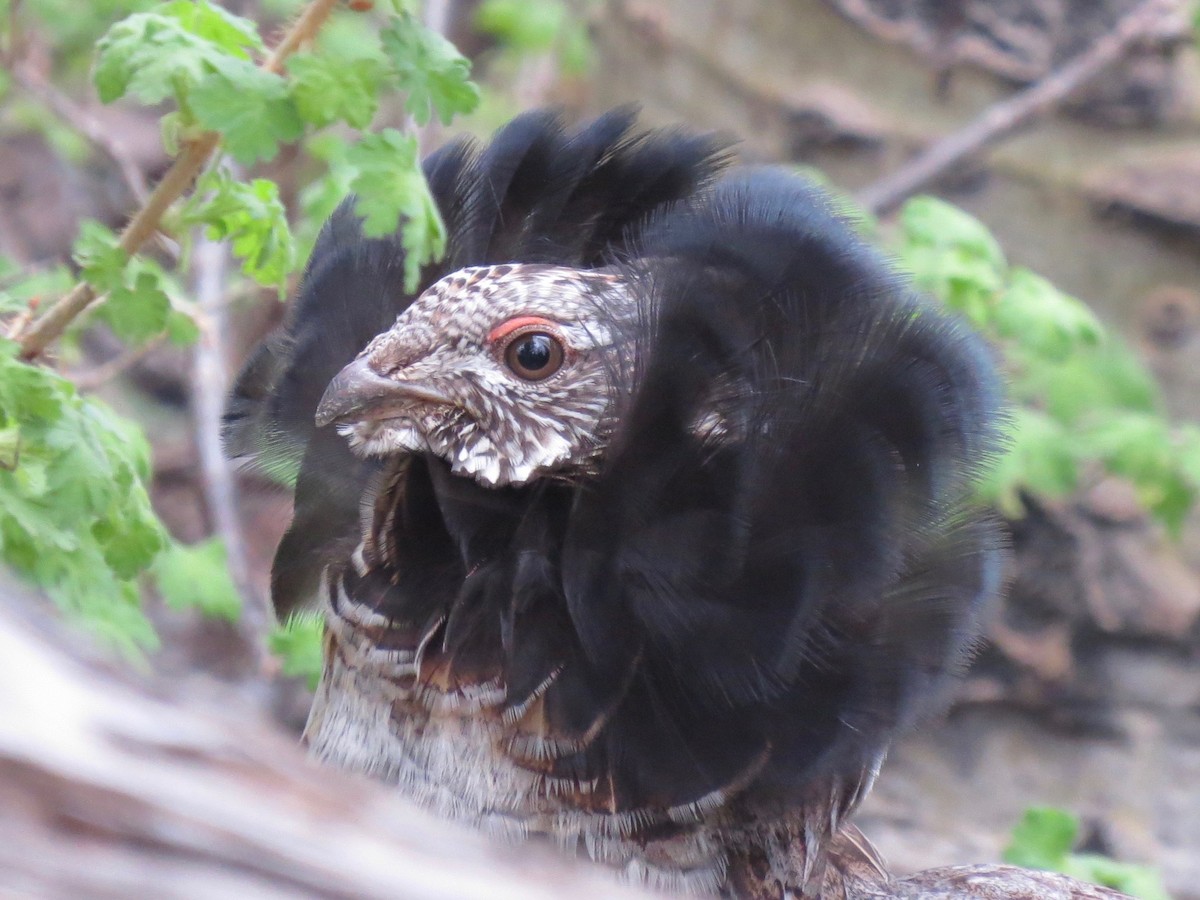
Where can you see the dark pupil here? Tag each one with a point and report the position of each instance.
(534, 352)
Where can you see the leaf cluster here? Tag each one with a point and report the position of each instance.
(1082, 401)
(1045, 838)
(75, 516)
(202, 57)
(530, 27)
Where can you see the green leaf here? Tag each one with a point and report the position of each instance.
(196, 576)
(430, 69)
(218, 26)
(327, 88)
(932, 222)
(953, 256)
(10, 446)
(153, 56)
(1141, 447)
(1135, 880)
(182, 330)
(1089, 381)
(1188, 447)
(390, 188)
(577, 53)
(253, 218)
(18, 288)
(298, 644)
(1040, 457)
(139, 310)
(75, 517)
(1042, 839)
(250, 107)
(1046, 321)
(529, 26)
(101, 261)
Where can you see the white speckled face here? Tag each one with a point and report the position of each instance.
(506, 372)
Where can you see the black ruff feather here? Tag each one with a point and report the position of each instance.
(778, 565)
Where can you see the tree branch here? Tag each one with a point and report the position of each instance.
(210, 269)
(1004, 117)
(175, 182)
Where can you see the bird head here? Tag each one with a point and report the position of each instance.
(506, 372)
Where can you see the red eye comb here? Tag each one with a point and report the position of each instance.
(504, 329)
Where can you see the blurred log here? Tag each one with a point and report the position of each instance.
(108, 789)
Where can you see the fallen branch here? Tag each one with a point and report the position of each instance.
(108, 790)
(1144, 21)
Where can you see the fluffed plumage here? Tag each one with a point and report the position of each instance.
(685, 629)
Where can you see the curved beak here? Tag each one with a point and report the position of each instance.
(358, 393)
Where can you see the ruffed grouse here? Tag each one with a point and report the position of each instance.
(646, 525)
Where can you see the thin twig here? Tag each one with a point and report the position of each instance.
(83, 121)
(210, 276)
(1002, 118)
(179, 177)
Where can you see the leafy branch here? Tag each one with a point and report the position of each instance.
(75, 516)
(1082, 402)
(196, 152)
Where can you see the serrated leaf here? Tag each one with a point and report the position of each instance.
(1135, 880)
(101, 261)
(298, 644)
(75, 517)
(1044, 319)
(932, 222)
(10, 443)
(1040, 456)
(129, 543)
(327, 88)
(182, 330)
(953, 256)
(231, 33)
(137, 311)
(1188, 443)
(530, 26)
(196, 576)
(430, 70)
(1042, 839)
(391, 189)
(250, 107)
(18, 289)
(153, 57)
(252, 217)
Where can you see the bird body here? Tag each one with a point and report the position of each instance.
(646, 525)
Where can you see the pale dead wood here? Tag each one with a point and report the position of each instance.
(1143, 22)
(210, 280)
(111, 789)
(107, 790)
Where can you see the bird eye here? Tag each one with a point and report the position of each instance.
(534, 355)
